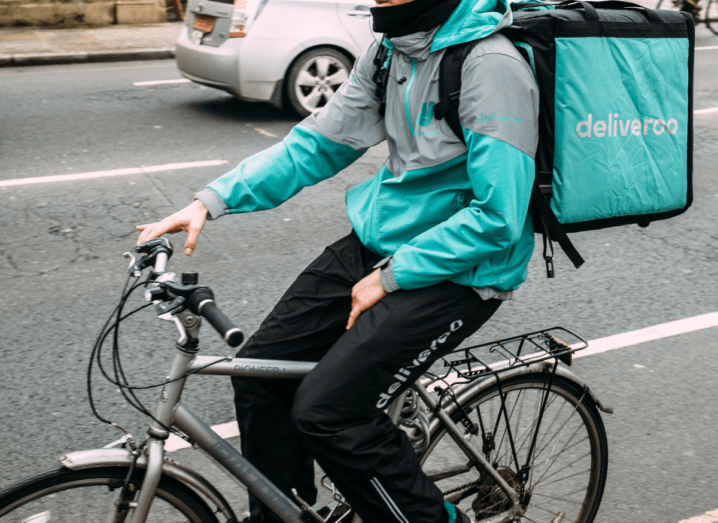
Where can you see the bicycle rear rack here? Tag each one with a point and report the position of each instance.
(519, 351)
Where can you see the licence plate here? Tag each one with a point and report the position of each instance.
(204, 23)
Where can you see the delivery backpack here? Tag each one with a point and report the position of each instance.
(615, 113)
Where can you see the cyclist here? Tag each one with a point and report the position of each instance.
(441, 236)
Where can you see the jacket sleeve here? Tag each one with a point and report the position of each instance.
(499, 116)
(316, 149)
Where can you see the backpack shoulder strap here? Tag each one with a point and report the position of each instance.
(450, 85)
(382, 65)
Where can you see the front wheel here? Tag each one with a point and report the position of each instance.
(90, 495)
(314, 77)
(562, 479)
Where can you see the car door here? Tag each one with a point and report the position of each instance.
(355, 17)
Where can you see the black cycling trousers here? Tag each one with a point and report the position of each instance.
(336, 413)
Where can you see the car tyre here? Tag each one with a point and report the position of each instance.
(314, 78)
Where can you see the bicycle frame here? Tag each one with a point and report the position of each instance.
(170, 412)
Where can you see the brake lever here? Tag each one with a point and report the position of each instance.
(133, 269)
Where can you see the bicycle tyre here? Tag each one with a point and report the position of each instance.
(470, 491)
(71, 496)
(712, 25)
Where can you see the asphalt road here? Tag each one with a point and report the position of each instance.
(61, 273)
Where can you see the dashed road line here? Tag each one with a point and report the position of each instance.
(707, 48)
(706, 111)
(106, 174)
(598, 346)
(160, 82)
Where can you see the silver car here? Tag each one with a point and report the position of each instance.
(279, 51)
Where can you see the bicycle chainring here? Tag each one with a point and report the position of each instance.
(490, 499)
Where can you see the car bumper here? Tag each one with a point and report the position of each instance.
(213, 66)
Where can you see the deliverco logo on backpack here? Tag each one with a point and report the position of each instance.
(614, 127)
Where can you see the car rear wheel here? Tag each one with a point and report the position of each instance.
(315, 77)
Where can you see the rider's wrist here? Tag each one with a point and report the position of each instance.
(214, 204)
(388, 280)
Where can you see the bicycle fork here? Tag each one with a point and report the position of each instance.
(155, 445)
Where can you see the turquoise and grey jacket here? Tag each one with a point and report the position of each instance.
(441, 209)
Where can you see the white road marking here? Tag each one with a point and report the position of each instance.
(708, 517)
(706, 111)
(707, 48)
(52, 69)
(265, 133)
(160, 82)
(106, 174)
(224, 431)
(657, 332)
(618, 341)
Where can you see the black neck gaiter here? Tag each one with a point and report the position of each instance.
(411, 17)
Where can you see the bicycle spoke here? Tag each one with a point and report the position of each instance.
(566, 477)
(563, 428)
(533, 423)
(559, 470)
(555, 456)
(548, 430)
(498, 418)
(565, 449)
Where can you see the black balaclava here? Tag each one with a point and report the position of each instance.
(411, 17)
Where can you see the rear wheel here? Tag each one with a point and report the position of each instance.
(69, 496)
(566, 473)
(314, 77)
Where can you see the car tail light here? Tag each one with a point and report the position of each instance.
(242, 16)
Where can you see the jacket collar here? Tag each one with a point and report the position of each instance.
(417, 45)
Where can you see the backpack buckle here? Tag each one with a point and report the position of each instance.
(549, 267)
(547, 191)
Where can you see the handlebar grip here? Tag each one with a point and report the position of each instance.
(202, 303)
(223, 325)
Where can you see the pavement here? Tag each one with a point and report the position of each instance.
(43, 46)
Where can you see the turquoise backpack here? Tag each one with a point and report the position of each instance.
(616, 114)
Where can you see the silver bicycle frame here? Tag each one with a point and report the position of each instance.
(171, 412)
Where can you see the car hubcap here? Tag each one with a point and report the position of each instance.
(318, 79)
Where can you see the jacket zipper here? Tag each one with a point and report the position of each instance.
(406, 96)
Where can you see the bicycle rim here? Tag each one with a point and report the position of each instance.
(567, 470)
(66, 496)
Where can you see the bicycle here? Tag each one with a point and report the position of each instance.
(705, 17)
(515, 440)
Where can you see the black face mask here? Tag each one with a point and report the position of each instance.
(412, 17)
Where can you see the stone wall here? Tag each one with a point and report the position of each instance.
(80, 13)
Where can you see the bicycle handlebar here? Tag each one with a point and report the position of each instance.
(201, 302)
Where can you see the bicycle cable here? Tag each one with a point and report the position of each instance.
(120, 378)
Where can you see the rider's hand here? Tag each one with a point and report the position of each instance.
(365, 294)
(191, 219)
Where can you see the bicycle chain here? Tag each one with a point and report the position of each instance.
(462, 487)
